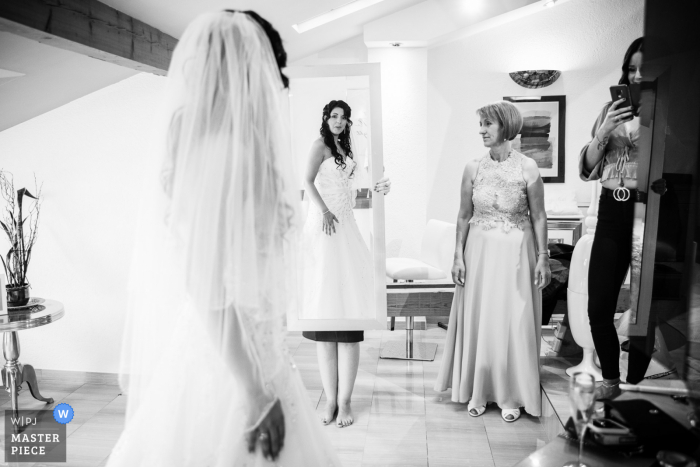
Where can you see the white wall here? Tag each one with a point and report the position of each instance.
(430, 96)
(88, 154)
(351, 51)
(404, 112)
(585, 39)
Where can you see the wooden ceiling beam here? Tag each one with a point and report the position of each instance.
(90, 28)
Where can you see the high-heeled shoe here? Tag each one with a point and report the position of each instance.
(607, 391)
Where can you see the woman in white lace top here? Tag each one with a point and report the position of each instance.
(501, 265)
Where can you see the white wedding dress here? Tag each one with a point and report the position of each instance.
(337, 268)
(214, 272)
(193, 413)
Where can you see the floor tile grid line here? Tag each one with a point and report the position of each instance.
(91, 417)
(426, 411)
(542, 391)
(425, 407)
(385, 335)
(374, 384)
(488, 440)
(419, 338)
(59, 401)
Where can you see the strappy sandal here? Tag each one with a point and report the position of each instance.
(477, 411)
(510, 415)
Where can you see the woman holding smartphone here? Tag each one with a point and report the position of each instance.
(612, 158)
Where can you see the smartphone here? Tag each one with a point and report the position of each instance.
(607, 426)
(611, 433)
(631, 98)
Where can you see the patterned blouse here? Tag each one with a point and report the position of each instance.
(622, 147)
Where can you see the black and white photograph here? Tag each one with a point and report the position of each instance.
(542, 136)
(359, 233)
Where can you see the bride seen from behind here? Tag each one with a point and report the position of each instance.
(208, 377)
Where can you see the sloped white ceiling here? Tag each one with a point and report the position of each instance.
(53, 77)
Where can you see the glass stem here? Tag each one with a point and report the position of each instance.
(580, 445)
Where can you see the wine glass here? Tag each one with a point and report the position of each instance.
(582, 405)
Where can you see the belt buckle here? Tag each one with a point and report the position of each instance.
(621, 193)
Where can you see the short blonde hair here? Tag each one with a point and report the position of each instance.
(506, 114)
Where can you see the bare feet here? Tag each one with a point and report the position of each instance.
(329, 412)
(345, 417)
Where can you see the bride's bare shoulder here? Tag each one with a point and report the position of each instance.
(318, 149)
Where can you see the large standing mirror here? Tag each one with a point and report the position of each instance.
(312, 88)
(666, 233)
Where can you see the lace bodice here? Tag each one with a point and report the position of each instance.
(500, 193)
(335, 185)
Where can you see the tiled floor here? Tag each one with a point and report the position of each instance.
(402, 421)
(399, 419)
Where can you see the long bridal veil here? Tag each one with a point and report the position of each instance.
(214, 264)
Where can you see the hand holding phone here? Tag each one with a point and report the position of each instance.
(620, 111)
(621, 91)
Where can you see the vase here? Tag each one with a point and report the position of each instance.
(17, 296)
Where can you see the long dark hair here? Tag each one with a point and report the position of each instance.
(275, 41)
(636, 46)
(343, 138)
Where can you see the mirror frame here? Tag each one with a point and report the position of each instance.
(652, 142)
(373, 71)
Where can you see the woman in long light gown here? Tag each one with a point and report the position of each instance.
(338, 272)
(501, 265)
(208, 377)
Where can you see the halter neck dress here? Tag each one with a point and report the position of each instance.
(493, 339)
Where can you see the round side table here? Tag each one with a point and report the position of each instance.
(40, 312)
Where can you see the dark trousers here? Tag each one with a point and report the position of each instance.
(610, 260)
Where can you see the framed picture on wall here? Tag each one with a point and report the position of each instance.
(542, 137)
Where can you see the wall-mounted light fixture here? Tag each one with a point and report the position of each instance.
(533, 79)
(334, 14)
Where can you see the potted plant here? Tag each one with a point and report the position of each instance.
(20, 225)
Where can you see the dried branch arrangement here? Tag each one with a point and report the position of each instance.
(20, 225)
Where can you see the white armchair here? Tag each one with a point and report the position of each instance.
(437, 251)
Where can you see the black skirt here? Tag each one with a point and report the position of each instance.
(335, 336)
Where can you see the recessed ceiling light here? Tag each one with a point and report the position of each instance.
(337, 13)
